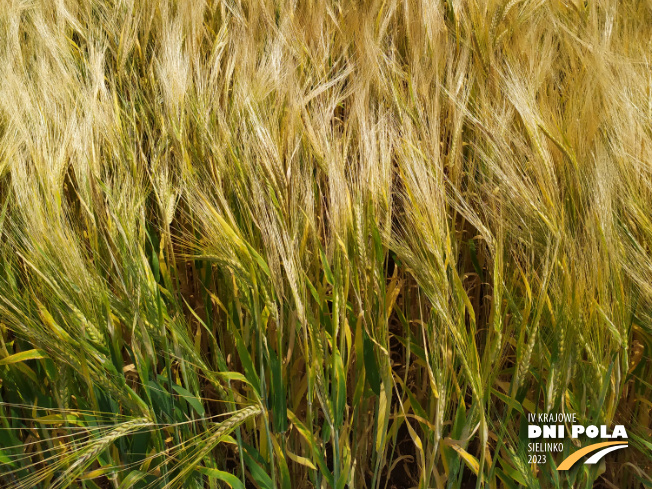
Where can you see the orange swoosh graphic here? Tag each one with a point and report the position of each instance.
(574, 457)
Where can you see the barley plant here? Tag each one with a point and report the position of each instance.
(322, 243)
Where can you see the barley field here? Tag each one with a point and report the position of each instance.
(323, 243)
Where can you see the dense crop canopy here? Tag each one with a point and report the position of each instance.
(322, 243)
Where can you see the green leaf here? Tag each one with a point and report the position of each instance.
(245, 359)
(131, 479)
(233, 376)
(259, 475)
(259, 259)
(313, 291)
(460, 420)
(5, 460)
(317, 452)
(23, 356)
(3, 213)
(327, 269)
(508, 400)
(509, 483)
(370, 364)
(230, 479)
(278, 397)
(511, 472)
(194, 401)
(474, 259)
(340, 390)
